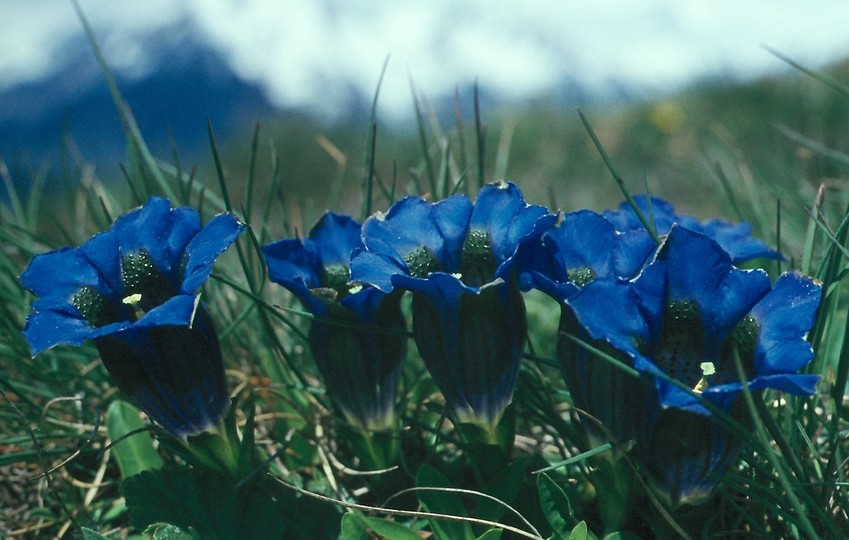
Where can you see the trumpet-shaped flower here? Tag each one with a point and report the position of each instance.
(457, 258)
(582, 248)
(131, 290)
(692, 316)
(735, 238)
(358, 339)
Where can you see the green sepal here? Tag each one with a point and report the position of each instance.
(502, 434)
(356, 526)
(489, 450)
(376, 450)
(220, 450)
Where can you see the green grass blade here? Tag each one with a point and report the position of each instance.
(480, 138)
(128, 121)
(425, 146)
(371, 148)
(618, 179)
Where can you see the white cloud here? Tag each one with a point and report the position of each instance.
(308, 52)
(30, 38)
(35, 35)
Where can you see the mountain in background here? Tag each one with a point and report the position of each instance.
(185, 84)
(69, 118)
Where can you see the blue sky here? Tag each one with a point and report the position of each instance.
(303, 52)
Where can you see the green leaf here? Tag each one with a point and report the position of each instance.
(209, 503)
(358, 527)
(135, 453)
(622, 536)
(442, 503)
(390, 529)
(504, 487)
(89, 534)
(166, 531)
(353, 528)
(555, 505)
(580, 532)
(492, 534)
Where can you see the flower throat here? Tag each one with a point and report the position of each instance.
(477, 264)
(680, 352)
(145, 288)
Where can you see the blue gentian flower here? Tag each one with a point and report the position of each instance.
(468, 313)
(688, 315)
(582, 248)
(358, 339)
(735, 238)
(131, 290)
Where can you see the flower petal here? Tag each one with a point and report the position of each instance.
(378, 270)
(657, 211)
(59, 274)
(364, 303)
(54, 322)
(471, 343)
(723, 293)
(792, 383)
(501, 211)
(102, 253)
(336, 236)
(606, 309)
(359, 354)
(293, 260)
(296, 264)
(412, 224)
(177, 311)
(734, 238)
(587, 240)
(159, 231)
(584, 246)
(204, 247)
(785, 315)
(737, 240)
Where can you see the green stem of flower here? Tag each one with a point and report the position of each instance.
(377, 450)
